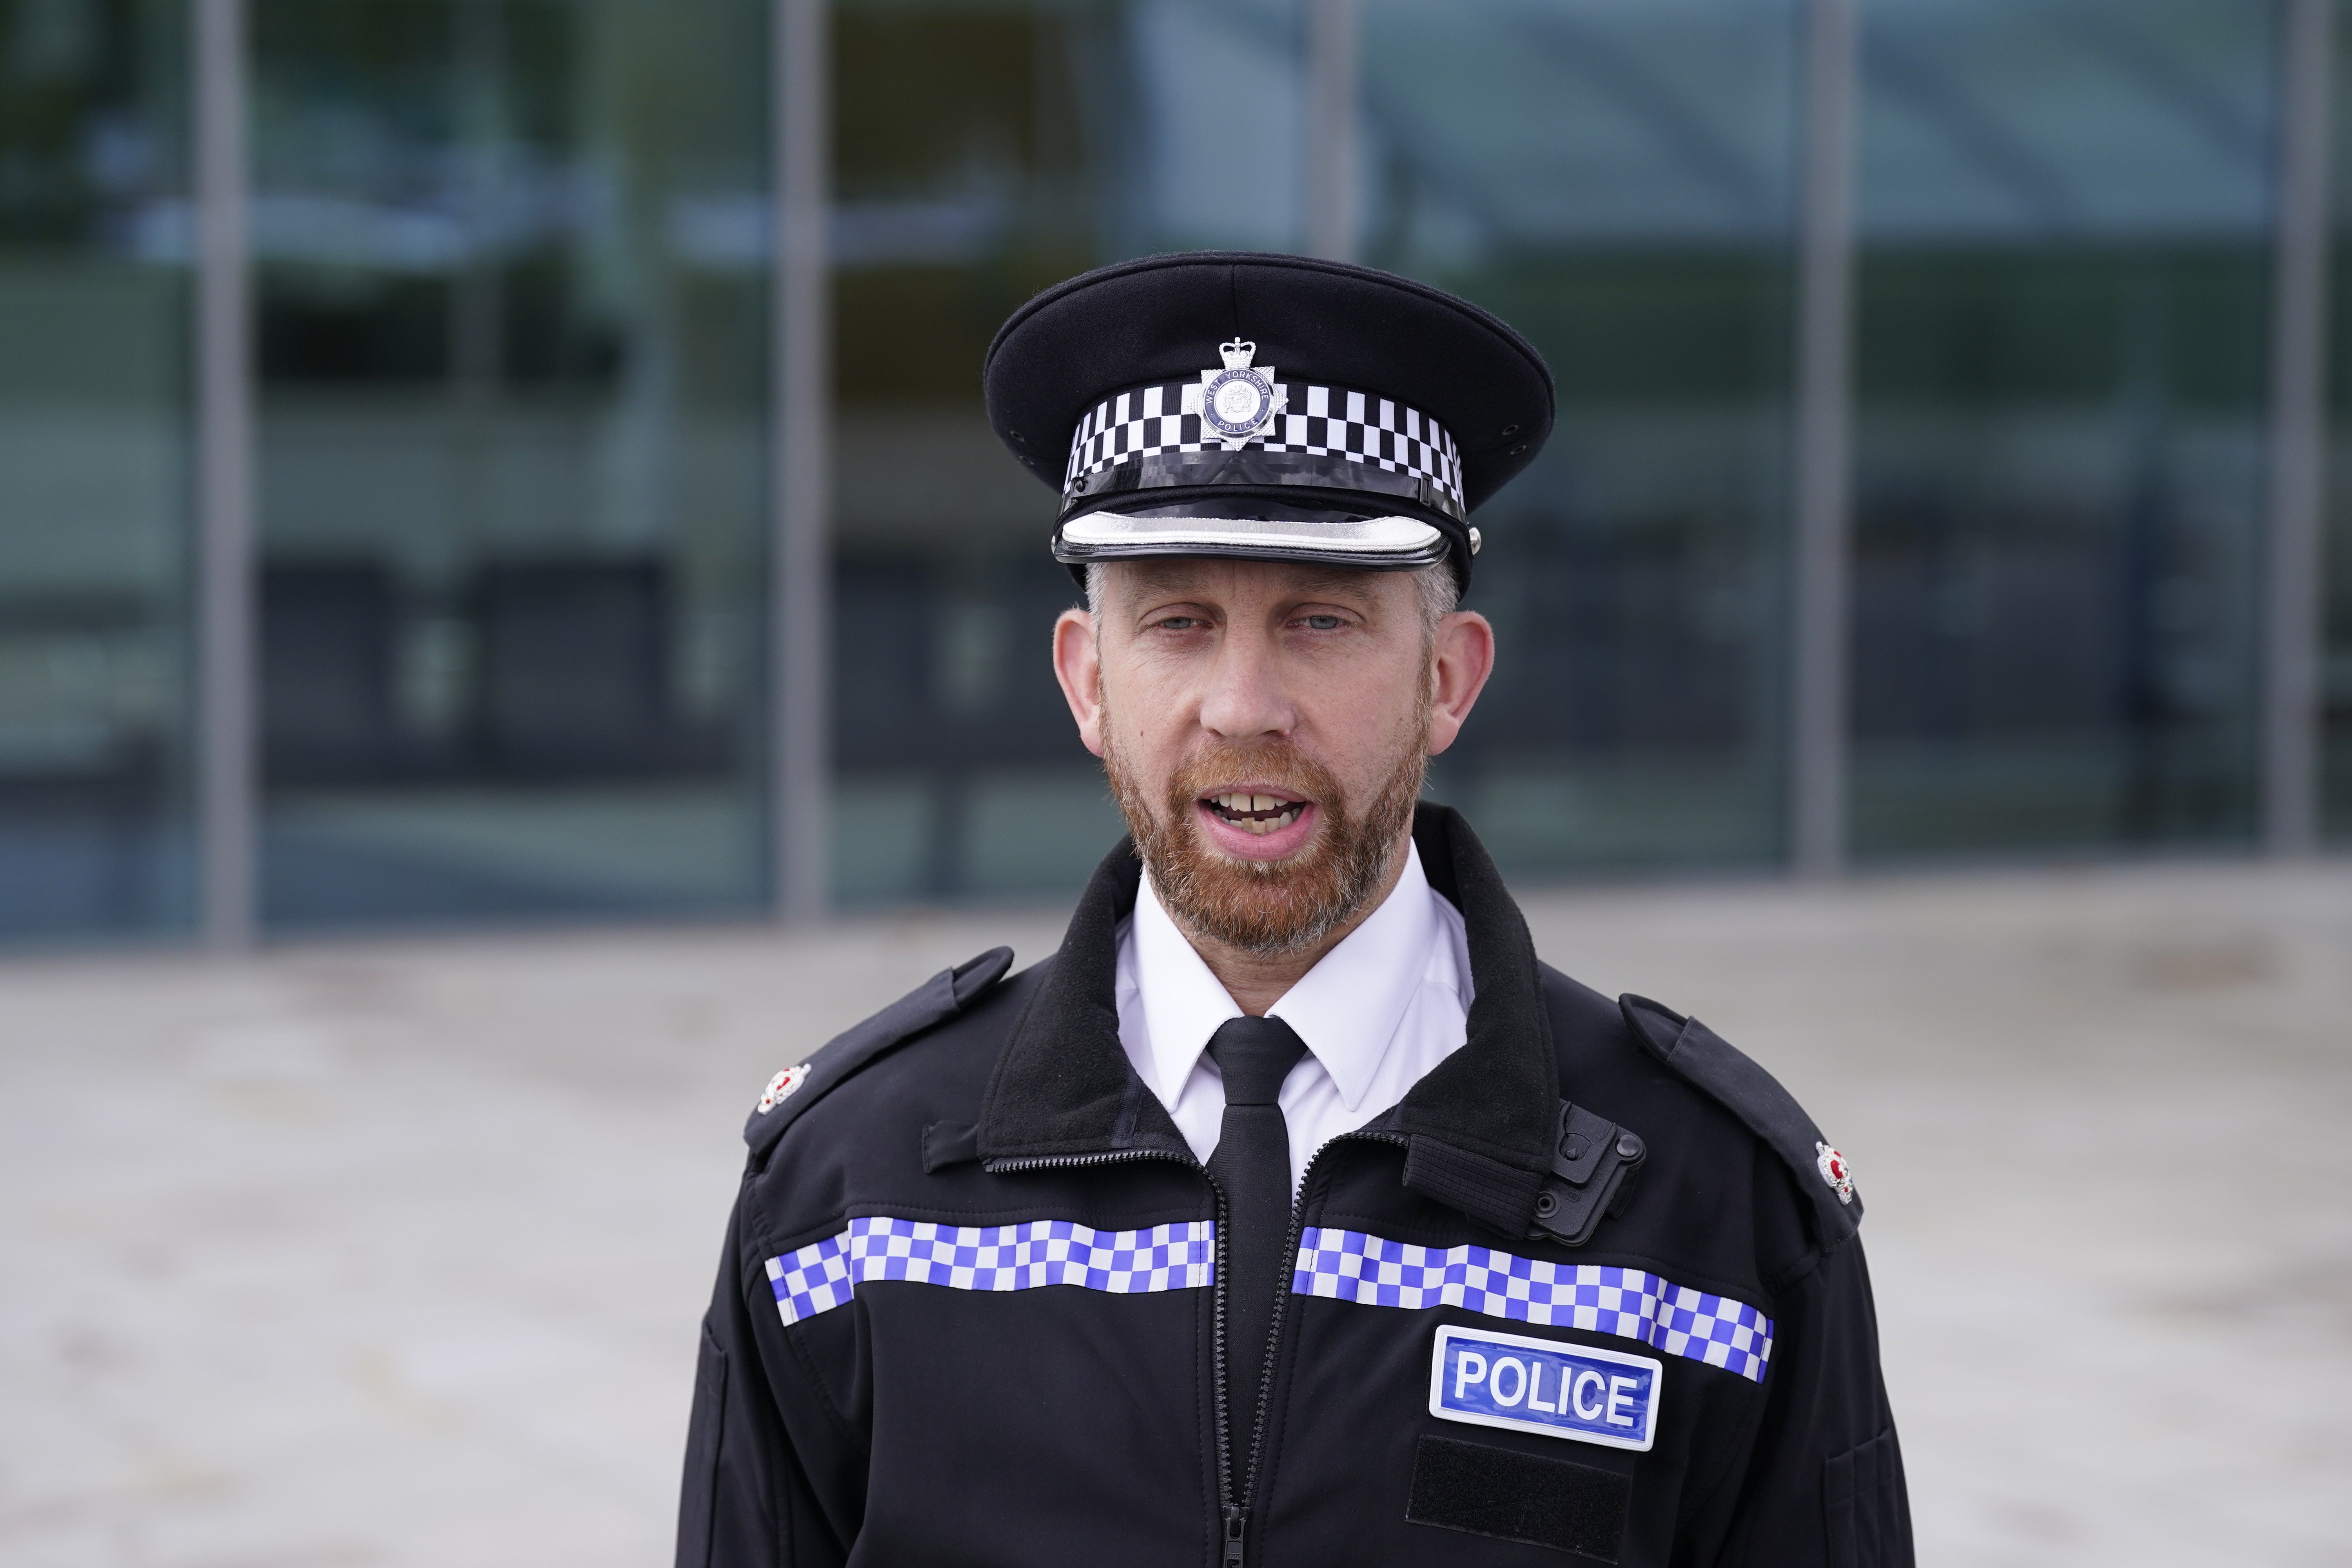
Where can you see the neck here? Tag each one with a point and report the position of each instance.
(1256, 982)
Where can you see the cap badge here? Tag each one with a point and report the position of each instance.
(1237, 403)
(783, 1086)
(1835, 1172)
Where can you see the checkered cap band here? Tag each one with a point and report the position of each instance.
(824, 1273)
(1349, 1265)
(1357, 427)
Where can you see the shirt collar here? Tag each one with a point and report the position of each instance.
(1345, 1008)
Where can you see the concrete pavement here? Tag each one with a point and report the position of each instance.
(392, 1253)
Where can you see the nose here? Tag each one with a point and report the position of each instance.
(1247, 697)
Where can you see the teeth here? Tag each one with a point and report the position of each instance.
(1258, 815)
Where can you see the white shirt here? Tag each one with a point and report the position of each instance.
(1377, 1010)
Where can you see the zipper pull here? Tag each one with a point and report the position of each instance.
(1232, 1558)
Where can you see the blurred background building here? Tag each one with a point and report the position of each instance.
(523, 460)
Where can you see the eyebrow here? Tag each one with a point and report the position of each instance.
(1336, 578)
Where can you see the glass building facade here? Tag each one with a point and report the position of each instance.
(510, 456)
(2065, 217)
(518, 274)
(96, 729)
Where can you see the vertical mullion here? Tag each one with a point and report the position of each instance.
(227, 798)
(800, 585)
(1820, 533)
(1334, 66)
(2291, 707)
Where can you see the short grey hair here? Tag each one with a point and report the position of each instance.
(1439, 590)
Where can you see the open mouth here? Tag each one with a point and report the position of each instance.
(1255, 813)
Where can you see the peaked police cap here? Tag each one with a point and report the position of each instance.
(1266, 406)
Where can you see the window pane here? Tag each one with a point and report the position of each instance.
(2335, 680)
(513, 279)
(94, 468)
(984, 152)
(2063, 287)
(1616, 179)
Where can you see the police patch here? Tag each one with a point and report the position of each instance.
(783, 1086)
(1545, 1386)
(1834, 1171)
(1238, 402)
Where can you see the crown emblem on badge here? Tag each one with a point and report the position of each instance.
(1237, 403)
(1835, 1172)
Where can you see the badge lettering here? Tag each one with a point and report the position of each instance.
(1549, 1387)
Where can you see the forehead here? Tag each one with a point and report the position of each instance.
(1220, 580)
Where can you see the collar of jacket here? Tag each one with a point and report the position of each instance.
(1062, 1087)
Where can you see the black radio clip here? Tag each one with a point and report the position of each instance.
(1593, 1163)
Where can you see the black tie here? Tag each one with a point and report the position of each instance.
(1252, 1164)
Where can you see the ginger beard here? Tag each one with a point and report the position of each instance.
(1267, 908)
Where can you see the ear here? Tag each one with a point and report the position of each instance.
(1077, 665)
(1461, 660)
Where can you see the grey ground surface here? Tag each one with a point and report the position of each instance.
(392, 1254)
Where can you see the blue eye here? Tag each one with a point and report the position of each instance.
(1322, 623)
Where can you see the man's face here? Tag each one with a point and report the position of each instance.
(1265, 727)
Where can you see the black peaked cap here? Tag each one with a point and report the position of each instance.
(1160, 318)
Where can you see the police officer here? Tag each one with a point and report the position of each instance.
(1293, 1212)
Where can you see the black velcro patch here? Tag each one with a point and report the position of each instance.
(1489, 1190)
(1493, 1491)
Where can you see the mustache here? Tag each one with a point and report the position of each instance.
(1276, 763)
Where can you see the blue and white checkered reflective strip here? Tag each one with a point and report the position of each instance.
(1321, 421)
(1349, 1265)
(822, 1273)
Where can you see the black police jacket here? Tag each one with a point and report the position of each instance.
(968, 1311)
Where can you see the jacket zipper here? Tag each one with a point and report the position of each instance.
(1235, 1502)
(1230, 1510)
(1064, 1162)
(1238, 1512)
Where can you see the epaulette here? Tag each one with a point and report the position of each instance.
(1709, 1063)
(934, 1002)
